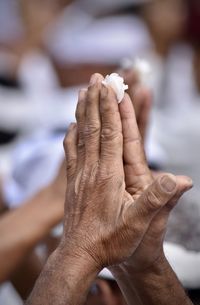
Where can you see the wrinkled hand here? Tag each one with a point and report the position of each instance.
(106, 218)
(138, 178)
(141, 98)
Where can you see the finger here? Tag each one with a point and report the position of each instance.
(130, 77)
(156, 196)
(70, 146)
(92, 127)
(80, 117)
(184, 184)
(136, 101)
(111, 128)
(136, 169)
(143, 101)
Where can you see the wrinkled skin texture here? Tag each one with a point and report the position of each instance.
(137, 179)
(105, 209)
(112, 201)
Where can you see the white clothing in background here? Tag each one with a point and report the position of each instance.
(8, 295)
(36, 73)
(35, 163)
(40, 104)
(176, 117)
(77, 38)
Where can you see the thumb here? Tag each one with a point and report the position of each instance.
(154, 198)
(184, 184)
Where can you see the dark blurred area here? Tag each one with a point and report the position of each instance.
(48, 51)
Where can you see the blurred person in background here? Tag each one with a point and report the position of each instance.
(25, 227)
(72, 57)
(175, 119)
(35, 73)
(110, 224)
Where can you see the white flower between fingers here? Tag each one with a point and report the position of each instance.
(116, 82)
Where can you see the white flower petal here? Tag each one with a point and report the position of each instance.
(117, 83)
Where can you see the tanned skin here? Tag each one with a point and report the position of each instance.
(111, 203)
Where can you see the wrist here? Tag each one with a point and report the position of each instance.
(67, 278)
(130, 270)
(157, 284)
(158, 267)
(80, 259)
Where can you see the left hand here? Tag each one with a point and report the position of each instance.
(141, 98)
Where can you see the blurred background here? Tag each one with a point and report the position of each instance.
(48, 51)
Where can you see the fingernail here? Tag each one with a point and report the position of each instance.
(104, 91)
(191, 184)
(94, 78)
(168, 183)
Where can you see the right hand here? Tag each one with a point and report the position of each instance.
(104, 220)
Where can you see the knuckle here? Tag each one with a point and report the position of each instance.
(92, 129)
(67, 141)
(130, 139)
(109, 133)
(93, 92)
(80, 112)
(81, 145)
(137, 227)
(106, 107)
(71, 163)
(153, 200)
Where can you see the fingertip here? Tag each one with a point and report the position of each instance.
(126, 107)
(189, 181)
(185, 183)
(71, 129)
(95, 78)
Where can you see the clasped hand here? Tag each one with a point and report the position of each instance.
(115, 211)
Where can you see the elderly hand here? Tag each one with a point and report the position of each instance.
(138, 179)
(112, 200)
(107, 217)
